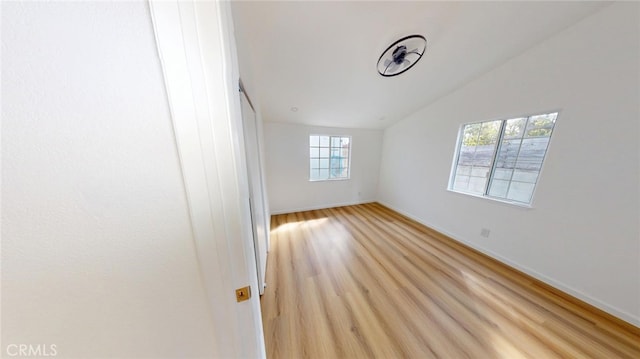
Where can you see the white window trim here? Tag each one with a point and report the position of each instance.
(495, 199)
(330, 179)
(456, 156)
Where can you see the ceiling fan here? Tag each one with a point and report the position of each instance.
(401, 55)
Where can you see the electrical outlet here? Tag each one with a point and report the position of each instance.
(484, 232)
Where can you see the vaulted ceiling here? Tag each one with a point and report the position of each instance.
(319, 58)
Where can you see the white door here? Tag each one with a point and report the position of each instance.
(256, 191)
(197, 51)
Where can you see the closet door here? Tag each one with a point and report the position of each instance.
(256, 191)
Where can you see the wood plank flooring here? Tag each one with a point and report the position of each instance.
(365, 282)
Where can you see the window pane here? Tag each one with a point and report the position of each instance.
(479, 171)
(477, 184)
(483, 155)
(541, 125)
(489, 133)
(470, 134)
(463, 170)
(520, 191)
(514, 128)
(314, 175)
(477, 149)
(466, 155)
(532, 151)
(329, 157)
(508, 153)
(525, 176)
(335, 163)
(461, 183)
(339, 173)
(499, 188)
(521, 157)
(502, 173)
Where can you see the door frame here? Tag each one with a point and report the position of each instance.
(196, 46)
(256, 186)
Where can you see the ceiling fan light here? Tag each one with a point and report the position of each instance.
(402, 55)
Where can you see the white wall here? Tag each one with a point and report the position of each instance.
(582, 234)
(97, 250)
(287, 168)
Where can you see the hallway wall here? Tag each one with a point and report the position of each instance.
(98, 256)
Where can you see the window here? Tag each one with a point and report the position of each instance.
(502, 159)
(329, 157)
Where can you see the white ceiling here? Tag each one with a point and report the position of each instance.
(320, 57)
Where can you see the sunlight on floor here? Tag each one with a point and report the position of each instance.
(502, 347)
(316, 222)
(479, 289)
(292, 226)
(286, 227)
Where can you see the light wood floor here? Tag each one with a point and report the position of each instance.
(363, 282)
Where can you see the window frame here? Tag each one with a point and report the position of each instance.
(492, 166)
(309, 146)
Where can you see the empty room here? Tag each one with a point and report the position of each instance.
(320, 179)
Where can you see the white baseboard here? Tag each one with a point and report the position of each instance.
(322, 206)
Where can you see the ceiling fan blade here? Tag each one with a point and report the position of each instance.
(387, 67)
(392, 67)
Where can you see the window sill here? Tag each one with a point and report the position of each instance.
(505, 201)
(329, 179)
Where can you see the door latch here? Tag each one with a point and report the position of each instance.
(243, 294)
